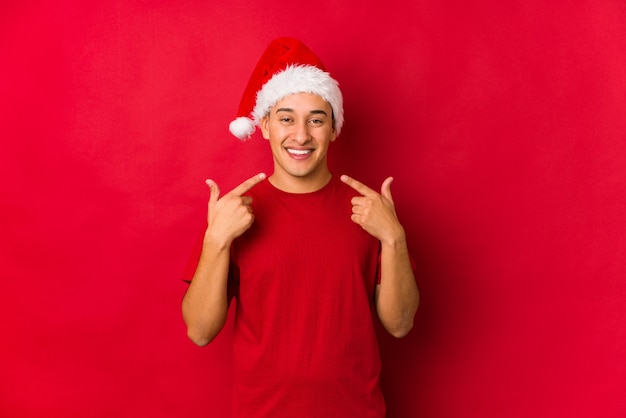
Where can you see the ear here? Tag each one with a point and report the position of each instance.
(263, 124)
(333, 135)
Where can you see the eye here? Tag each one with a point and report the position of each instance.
(285, 119)
(316, 122)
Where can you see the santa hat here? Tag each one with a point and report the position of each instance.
(286, 67)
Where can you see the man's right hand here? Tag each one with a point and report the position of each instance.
(231, 215)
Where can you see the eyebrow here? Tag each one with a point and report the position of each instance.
(312, 112)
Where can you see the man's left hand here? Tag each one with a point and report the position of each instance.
(375, 212)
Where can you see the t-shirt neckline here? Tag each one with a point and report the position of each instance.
(306, 195)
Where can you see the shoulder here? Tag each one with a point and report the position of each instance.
(340, 189)
(261, 189)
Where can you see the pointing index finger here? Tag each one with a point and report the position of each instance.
(248, 184)
(357, 185)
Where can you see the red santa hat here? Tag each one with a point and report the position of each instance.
(286, 67)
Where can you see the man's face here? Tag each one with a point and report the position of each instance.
(300, 129)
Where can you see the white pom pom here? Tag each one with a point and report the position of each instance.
(242, 127)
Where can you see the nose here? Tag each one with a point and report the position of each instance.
(301, 133)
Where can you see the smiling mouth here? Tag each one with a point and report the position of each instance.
(299, 152)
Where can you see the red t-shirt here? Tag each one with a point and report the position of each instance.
(304, 339)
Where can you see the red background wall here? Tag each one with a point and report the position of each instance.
(503, 122)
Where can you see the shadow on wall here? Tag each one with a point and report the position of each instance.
(412, 366)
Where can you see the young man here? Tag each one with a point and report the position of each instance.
(309, 257)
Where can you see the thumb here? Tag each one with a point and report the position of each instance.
(385, 189)
(215, 191)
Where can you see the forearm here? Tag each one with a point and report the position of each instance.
(205, 305)
(397, 296)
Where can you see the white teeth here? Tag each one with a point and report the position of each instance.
(298, 151)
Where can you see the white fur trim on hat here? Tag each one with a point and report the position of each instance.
(298, 79)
